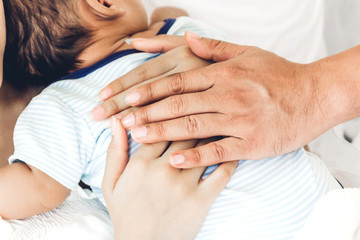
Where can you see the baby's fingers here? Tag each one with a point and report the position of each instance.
(117, 157)
(216, 181)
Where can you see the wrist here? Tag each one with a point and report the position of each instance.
(336, 83)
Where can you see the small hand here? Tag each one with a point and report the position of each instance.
(149, 199)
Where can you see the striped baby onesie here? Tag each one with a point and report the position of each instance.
(267, 199)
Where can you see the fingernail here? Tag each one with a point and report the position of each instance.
(98, 113)
(105, 94)
(106, 123)
(114, 126)
(138, 133)
(193, 35)
(177, 159)
(98, 100)
(89, 118)
(129, 41)
(128, 121)
(132, 98)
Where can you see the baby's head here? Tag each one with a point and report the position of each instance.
(48, 39)
(2, 39)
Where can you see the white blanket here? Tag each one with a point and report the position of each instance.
(335, 216)
(79, 217)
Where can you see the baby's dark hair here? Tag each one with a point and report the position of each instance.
(44, 40)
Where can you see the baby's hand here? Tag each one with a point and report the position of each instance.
(149, 199)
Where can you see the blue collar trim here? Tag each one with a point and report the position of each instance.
(85, 71)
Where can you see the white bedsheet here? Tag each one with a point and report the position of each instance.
(335, 216)
(339, 148)
(79, 217)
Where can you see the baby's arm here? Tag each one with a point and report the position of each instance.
(162, 13)
(26, 191)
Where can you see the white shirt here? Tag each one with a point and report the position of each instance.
(299, 30)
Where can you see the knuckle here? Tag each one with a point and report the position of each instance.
(218, 46)
(141, 116)
(233, 71)
(162, 37)
(150, 91)
(177, 105)
(214, 44)
(142, 72)
(113, 105)
(191, 125)
(218, 151)
(158, 130)
(197, 157)
(177, 82)
(116, 86)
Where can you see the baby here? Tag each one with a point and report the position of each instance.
(56, 146)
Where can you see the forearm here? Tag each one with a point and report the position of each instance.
(337, 82)
(26, 192)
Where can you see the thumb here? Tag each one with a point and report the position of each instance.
(159, 43)
(117, 156)
(212, 49)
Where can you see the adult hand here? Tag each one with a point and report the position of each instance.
(149, 199)
(264, 104)
(174, 61)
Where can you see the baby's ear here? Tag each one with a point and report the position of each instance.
(103, 9)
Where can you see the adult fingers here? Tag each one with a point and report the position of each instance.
(193, 175)
(179, 83)
(170, 108)
(150, 69)
(125, 112)
(159, 43)
(117, 156)
(214, 50)
(149, 152)
(224, 150)
(217, 180)
(188, 127)
(114, 94)
(177, 146)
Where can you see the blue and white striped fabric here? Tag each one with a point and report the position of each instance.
(268, 199)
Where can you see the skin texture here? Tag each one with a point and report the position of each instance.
(12, 103)
(112, 22)
(21, 181)
(265, 105)
(152, 194)
(180, 189)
